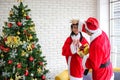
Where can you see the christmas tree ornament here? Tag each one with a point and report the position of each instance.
(5, 39)
(26, 72)
(11, 13)
(30, 37)
(27, 17)
(27, 55)
(18, 77)
(6, 50)
(23, 53)
(19, 23)
(13, 53)
(18, 33)
(41, 63)
(32, 74)
(2, 63)
(34, 79)
(23, 11)
(32, 29)
(29, 48)
(11, 78)
(13, 41)
(24, 15)
(31, 59)
(10, 61)
(39, 70)
(2, 56)
(19, 65)
(5, 74)
(43, 77)
(33, 46)
(10, 25)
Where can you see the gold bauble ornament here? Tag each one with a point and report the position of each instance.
(11, 13)
(2, 55)
(39, 70)
(11, 78)
(30, 37)
(23, 53)
(34, 79)
(18, 33)
(24, 15)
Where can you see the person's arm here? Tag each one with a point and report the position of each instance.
(95, 58)
(66, 49)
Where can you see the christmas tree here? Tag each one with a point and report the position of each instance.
(20, 54)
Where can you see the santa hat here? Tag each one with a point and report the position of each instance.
(91, 25)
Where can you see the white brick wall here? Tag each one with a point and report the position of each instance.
(52, 19)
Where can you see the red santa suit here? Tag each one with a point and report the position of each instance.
(74, 61)
(99, 52)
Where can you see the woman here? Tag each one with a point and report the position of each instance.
(70, 51)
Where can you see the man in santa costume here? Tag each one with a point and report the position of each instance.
(99, 51)
(70, 50)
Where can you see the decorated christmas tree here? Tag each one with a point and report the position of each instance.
(20, 54)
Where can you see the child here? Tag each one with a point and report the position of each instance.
(70, 51)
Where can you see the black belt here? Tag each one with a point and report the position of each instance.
(105, 65)
(101, 66)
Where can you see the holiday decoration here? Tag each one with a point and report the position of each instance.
(39, 70)
(83, 50)
(26, 72)
(27, 17)
(20, 54)
(43, 77)
(19, 65)
(11, 13)
(10, 61)
(2, 63)
(9, 25)
(31, 58)
(13, 41)
(41, 63)
(19, 23)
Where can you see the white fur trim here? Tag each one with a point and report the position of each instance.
(80, 25)
(73, 48)
(96, 34)
(75, 78)
(69, 60)
(84, 61)
(76, 36)
(112, 78)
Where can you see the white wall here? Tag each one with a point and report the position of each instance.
(103, 14)
(52, 19)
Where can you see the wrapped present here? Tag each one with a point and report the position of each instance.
(83, 50)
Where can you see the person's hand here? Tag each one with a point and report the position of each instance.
(74, 21)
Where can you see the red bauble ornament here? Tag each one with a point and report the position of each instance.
(43, 77)
(10, 25)
(26, 72)
(5, 39)
(33, 46)
(6, 49)
(19, 65)
(10, 61)
(19, 23)
(31, 58)
(27, 17)
(41, 63)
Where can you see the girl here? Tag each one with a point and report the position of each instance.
(70, 51)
